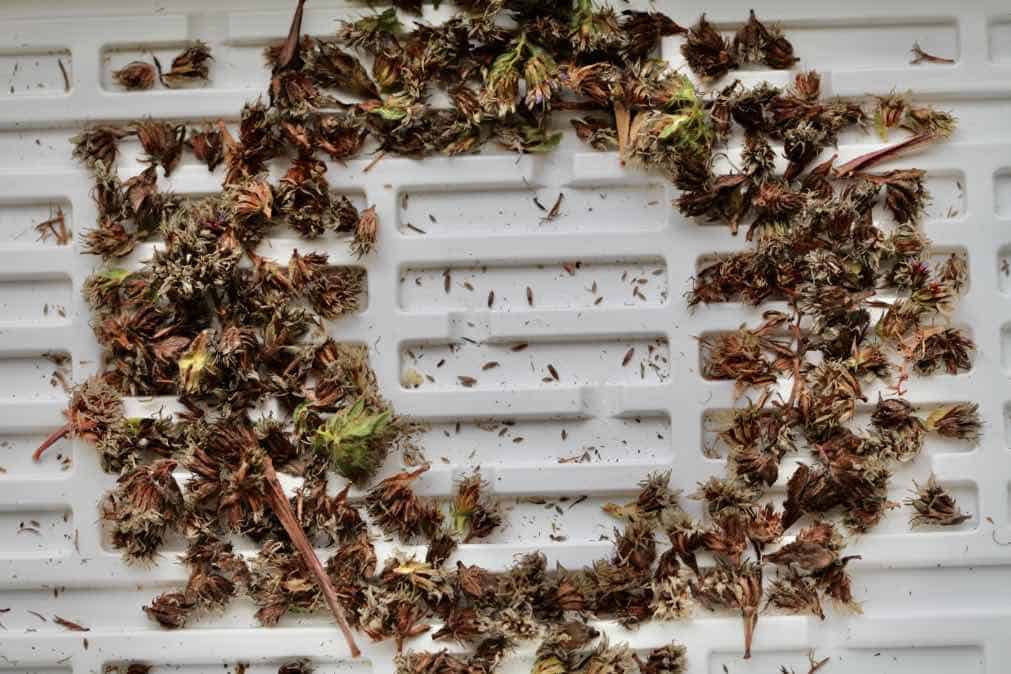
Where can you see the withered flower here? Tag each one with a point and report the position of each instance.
(207, 146)
(189, 67)
(796, 594)
(927, 120)
(960, 421)
(304, 199)
(931, 349)
(371, 32)
(707, 52)
(726, 495)
(162, 142)
(735, 588)
(635, 545)
(476, 514)
(94, 408)
(332, 67)
(366, 231)
(755, 42)
(302, 666)
(146, 504)
(340, 136)
(397, 510)
(644, 30)
(135, 76)
(933, 505)
(171, 609)
(597, 133)
(354, 441)
(669, 659)
(440, 547)
(98, 145)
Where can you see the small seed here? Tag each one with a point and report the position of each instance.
(530, 296)
(519, 347)
(490, 365)
(491, 298)
(628, 357)
(466, 381)
(553, 371)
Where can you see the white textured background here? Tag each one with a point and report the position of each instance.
(933, 602)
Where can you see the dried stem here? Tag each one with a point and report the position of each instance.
(282, 508)
(865, 161)
(53, 438)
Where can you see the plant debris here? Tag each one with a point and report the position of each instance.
(229, 332)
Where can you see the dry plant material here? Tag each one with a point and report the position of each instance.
(920, 56)
(215, 322)
(136, 76)
(934, 506)
(190, 67)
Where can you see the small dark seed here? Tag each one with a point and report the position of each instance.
(466, 381)
(490, 365)
(628, 356)
(553, 371)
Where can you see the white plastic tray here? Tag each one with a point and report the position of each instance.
(934, 603)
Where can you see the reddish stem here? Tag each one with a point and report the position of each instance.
(55, 436)
(282, 508)
(865, 161)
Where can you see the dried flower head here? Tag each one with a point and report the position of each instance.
(189, 67)
(475, 513)
(707, 52)
(934, 506)
(135, 76)
(960, 421)
(397, 510)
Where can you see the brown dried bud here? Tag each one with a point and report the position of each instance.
(366, 232)
(189, 67)
(135, 76)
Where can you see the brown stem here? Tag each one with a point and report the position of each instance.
(281, 507)
(290, 47)
(622, 120)
(750, 615)
(50, 441)
(865, 161)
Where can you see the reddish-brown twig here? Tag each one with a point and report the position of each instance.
(282, 508)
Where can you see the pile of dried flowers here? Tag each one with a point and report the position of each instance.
(212, 321)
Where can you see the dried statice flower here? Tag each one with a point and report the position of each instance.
(889, 112)
(598, 133)
(564, 648)
(340, 136)
(669, 659)
(709, 54)
(594, 28)
(332, 516)
(475, 513)
(189, 67)
(934, 506)
(905, 193)
(135, 76)
(960, 421)
(397, 510)
(371, 32)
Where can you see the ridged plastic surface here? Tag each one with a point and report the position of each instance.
(934, 602)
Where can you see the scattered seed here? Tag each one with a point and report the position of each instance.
(468, 286)
(490, 365)
(447, 280)
(519, 347)
(628, 356)
(530, 296)
(419, 230)
(553, 371)
(598, 301)
(569, 268)
(491, 298)
(466, 381)
(538, 204)
(70, 624)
